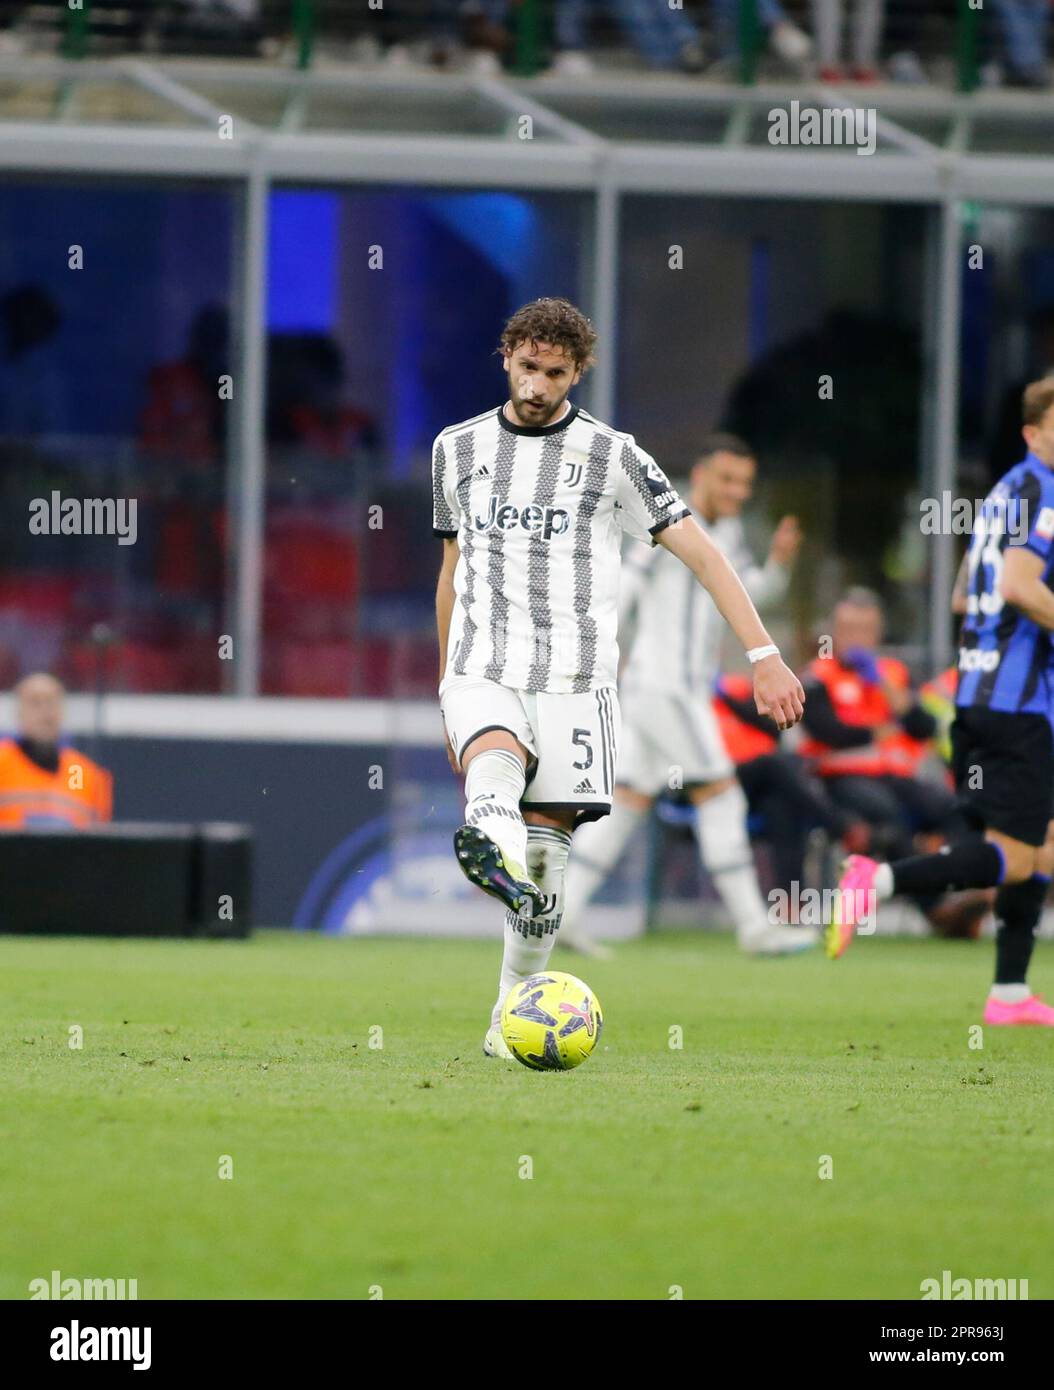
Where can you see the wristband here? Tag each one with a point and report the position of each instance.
(759, 653)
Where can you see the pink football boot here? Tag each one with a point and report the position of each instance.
(1029, 1011)
(854, 904)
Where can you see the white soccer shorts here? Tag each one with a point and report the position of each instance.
(572, 738)
(670, 741)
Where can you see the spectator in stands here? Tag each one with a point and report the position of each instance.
(11, 41)
(182, 432)
(33, 396)
(307, 405)
(184, 417)
(1025, 27)
(783, 38)
(42, 781)
(828, 23)
(664, 36)
(866, 734)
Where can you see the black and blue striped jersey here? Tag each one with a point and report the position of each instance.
(1006, 661)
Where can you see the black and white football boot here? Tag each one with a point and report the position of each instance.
(483, 864)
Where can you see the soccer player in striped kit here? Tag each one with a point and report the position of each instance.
(1002, 738)
(531, 500)
(670, 736)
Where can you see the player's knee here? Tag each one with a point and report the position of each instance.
(631, 799)
(707, 791)
(1045, 854)
(1020, 861)
(559, 820)
(493, 739)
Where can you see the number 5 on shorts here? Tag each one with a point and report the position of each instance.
(580, 738)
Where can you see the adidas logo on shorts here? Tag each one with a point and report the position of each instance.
(585, 786)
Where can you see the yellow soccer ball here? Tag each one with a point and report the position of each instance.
(552, 1021)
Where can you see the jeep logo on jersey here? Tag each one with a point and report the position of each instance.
(973, 659)
(538, 520)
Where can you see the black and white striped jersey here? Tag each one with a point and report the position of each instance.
(679, 632)
(539, 513)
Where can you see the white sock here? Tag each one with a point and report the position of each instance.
(494, 785)
(529, 940)
(883, 883)
(597, 847)
(1010, 994)
(724, 847)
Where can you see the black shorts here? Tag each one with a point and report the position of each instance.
(1004, 771)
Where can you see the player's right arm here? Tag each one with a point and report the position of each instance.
(1018, 577)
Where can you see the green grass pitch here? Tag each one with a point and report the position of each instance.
(399, 1168)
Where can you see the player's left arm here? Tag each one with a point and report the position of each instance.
(777, 690)
(1022, 585)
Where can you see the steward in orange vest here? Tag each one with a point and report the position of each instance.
(779, 786)
(745, 733)
(850, 727)
(41, 785)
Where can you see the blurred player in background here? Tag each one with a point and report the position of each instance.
(671, 738)
(828, 23)
(1002, 738)
(43, 783)
(531, 499)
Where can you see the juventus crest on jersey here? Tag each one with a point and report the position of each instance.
(539, 513)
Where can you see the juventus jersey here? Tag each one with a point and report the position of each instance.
(679, 632)
(539, 513)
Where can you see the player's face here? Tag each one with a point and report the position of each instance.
(1040, 438)
(540, 376)
(723, 484)
(40, 710)
(856, 627)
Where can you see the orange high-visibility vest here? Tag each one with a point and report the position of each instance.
(79, 794)
(856, 702)
(742, 740)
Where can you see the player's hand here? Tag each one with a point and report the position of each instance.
(786, 541)
(778, 691)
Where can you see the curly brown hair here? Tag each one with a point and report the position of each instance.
(556, 322)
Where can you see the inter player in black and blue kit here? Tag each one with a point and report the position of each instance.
(1003, 735)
